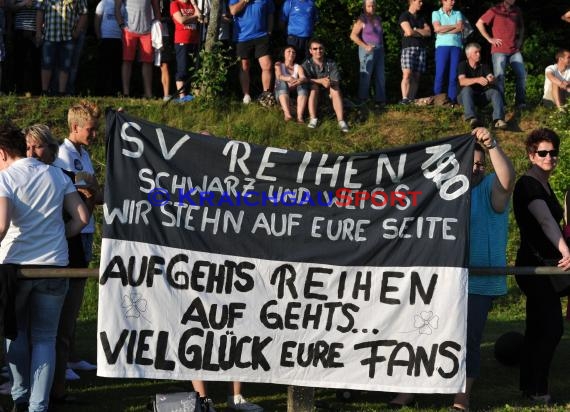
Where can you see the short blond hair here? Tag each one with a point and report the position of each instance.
(41, 133)
(82, 112)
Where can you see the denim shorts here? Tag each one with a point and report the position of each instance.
(57, 53)
(282, 87)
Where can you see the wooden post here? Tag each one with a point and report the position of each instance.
(300, 399)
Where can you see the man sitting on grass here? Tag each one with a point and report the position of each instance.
(323, 76)
(557, 81)
(478, 88)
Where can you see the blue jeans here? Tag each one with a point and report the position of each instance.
(478, 307)
(372, 65)
(446, 60)
(469, 99)
(500, 61)
(31, 356)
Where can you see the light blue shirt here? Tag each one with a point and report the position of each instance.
(447, 39)
(488, 233)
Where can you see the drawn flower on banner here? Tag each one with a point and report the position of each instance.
(134, 306)
(425, 322)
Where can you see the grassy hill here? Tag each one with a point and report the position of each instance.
(370, 130)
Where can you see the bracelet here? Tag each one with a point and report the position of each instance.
(493, 144)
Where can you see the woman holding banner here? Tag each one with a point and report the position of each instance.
(33, 196)
(538, 215)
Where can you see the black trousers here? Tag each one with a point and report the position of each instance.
(544, 328)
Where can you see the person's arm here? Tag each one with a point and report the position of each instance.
(39, 26)
(424, 31)
(237, 8)
(179, 18)
(79, 215)
(562, 84)
(541, 213)
(483, 30)
(81, 26)
(355, 36)
(504, 183)
(118, 15)
(520, 33)
(465, 81)
(5, 216)
(155, 9)
(97, 25)
(407, 28)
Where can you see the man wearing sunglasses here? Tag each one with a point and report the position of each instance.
(323, 76)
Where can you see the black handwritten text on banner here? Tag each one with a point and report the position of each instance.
(223, 260)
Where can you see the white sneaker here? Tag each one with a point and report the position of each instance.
(81, 365)
(246, 99)
(71, 376)
(343, 126)
(313, 123)
(238, 403)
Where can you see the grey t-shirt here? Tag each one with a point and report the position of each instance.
(138, 16)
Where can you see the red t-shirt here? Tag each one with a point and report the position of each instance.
(505, 25)
(184, 33)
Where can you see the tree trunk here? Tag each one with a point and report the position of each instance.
(300, 399)
(213, 25)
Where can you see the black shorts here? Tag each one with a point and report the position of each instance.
(259, 46)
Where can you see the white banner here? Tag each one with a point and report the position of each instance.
(178, 314)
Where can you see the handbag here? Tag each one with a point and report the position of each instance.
(177, 402)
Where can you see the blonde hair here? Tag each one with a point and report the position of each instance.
(40, 133)
(82, 112)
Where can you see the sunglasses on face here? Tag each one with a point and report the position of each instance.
(543, 153)
(317, 48)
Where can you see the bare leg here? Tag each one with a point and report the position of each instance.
(147, 79)
(301, 105)
(284, 101)
(414, 84)
(179, 86)
(126, 71)
(63, 76)
(337, 103)
(313, 102)
(265, 63)
(200, 387)
(46, 78)
(244, 76)
(406, 80)
(165, 79)
(461, 400)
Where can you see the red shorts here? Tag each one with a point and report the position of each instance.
(130, 41)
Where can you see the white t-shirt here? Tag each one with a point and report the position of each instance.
(36, 235)
(564, 75)
(109, 27)
(71, 160)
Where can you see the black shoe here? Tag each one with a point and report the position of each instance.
(20, 407)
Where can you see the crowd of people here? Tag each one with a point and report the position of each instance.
(169, 33)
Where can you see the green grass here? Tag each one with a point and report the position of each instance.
(497, 388)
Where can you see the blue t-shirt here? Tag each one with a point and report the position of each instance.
(447, 39)
(488, 233)
(251, 22)
(301, 16)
